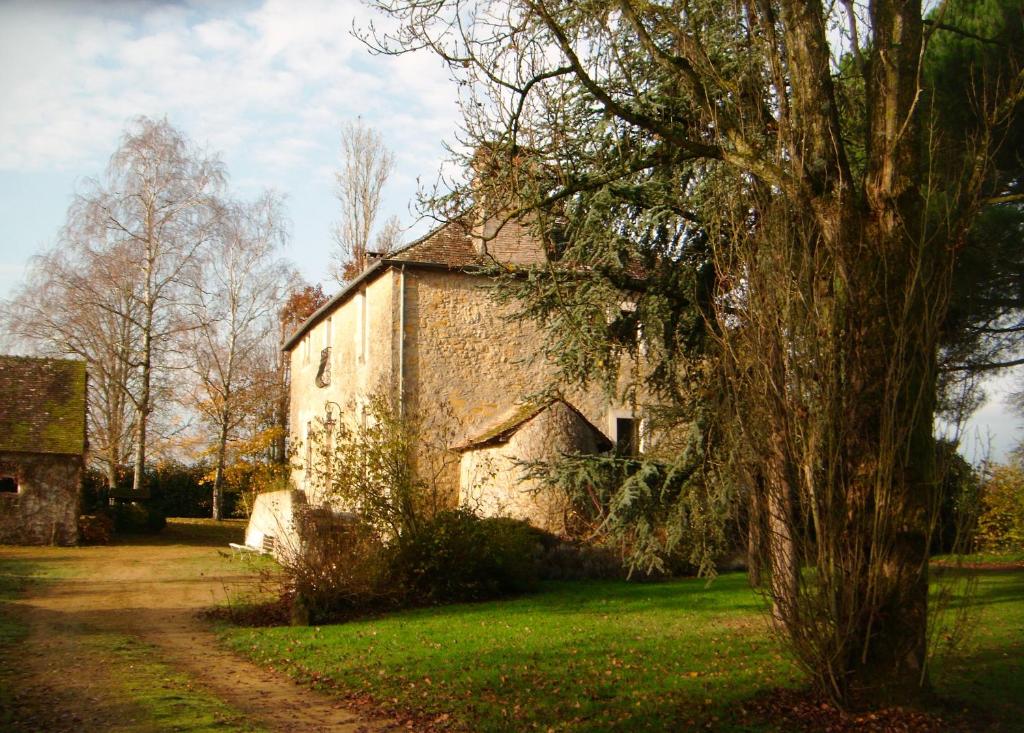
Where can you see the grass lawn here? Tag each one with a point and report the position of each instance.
(586, 656)
(602, 656)
(988, 670)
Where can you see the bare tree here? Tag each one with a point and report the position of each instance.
(154, 212)
(389, 237)
(233, 307)
(366, 165)
(74, 304)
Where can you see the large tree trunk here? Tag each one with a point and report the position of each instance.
(868, 487)
(897, 361)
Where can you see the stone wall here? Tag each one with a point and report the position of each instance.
(361, 337)
(492, 480)
(463, 360)
(456, 364)
(45, 509)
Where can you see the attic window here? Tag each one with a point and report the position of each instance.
(323, 374)
(8, 478)
(624, 326)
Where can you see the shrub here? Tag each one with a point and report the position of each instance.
(174, 489)
(137, 518)
(568, 560)
(338, 566)
(957, 509)
(369, 465)
(95, 529)
(1001, 524)
(456, 556)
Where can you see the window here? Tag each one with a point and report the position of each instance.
(327, 334)
(624, 326)
(8, 478)
(305, 349)
(627, 436)
(323, 373)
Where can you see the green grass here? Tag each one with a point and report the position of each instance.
(188, 531)
(162, 698)
(166, 699)
(988, 669)
(590, 656)
(603, 656)
(981, 558)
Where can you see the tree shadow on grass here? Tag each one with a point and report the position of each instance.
(190, 532)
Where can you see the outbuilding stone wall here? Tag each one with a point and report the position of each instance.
(45, 509)
(492, 480)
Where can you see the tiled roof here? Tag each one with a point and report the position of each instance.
(504, 426)
(449, 245)
(42, 405)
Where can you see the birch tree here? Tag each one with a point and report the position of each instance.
(154, 210)
(233, 304)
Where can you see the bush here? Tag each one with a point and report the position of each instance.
(173, 489)
(137, 518)
(959, 489)
(338, 566)
(1001, 524)
(579, 561)
(95, 529)
(456, 556)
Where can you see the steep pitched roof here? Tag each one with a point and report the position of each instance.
(505, 425)
(448, 246)
(42, 405)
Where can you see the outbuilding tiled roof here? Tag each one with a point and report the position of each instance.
(506, 424)
(42, 405)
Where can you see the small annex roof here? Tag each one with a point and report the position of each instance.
(450, 246)
(503, 427)
(42, 405)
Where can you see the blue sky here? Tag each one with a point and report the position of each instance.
(267, 83)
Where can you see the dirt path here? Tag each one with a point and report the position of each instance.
(151, 593)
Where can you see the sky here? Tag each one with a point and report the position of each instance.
(265, 83)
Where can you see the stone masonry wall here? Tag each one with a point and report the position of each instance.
(362, 361)
(463, 364)
(492, 481)
(45, 509)
(463, 358)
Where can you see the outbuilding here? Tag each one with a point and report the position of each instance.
(42, 449)
(494, 470)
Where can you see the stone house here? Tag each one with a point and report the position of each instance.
(42, 449)
(420, 325)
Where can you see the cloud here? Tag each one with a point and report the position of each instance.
(248, 79)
